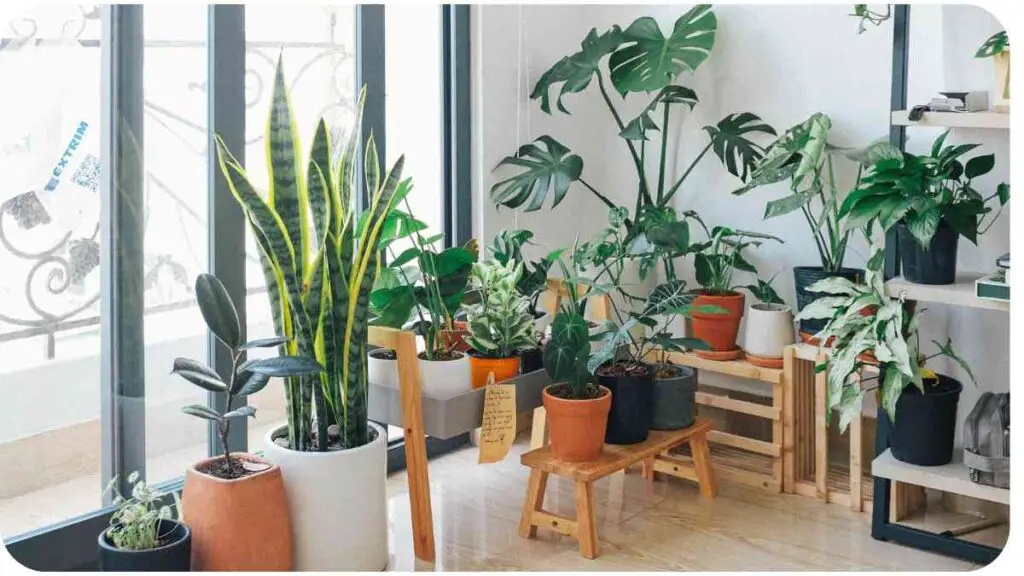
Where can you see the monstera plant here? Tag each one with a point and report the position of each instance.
(638, 60)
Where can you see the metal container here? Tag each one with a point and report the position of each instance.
(987, 440)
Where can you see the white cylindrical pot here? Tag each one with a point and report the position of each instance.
(382, 371)
(338, 504)
(769, 330)
(444, 378)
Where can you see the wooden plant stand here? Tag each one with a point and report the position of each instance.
(614, 458)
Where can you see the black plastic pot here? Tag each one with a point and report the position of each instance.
(175, 556)
(531, 360)
(935, 265)
(804, 276)
(632, 407)
(675, 400)
(926, 423)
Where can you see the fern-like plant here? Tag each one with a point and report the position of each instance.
(500, 325)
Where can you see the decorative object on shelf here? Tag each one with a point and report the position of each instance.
(320, 257)
(932, 201)
(500, 324)
(236, 502)
(993, 287)
(577, 409)
(143, 536)
(953, 102)
(997, 47)
(769, 330)
(987, 440)
(716, 261)
(869, 16)
(920, 404)
(803, 157)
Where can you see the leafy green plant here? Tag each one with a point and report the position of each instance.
(135, 525)
(869, 16)
(568, 349)
(890, 334)
(640, 59)
(507, 247)
(246, 378)
(717, 259)
(500, 325)
(803, 157)
(924, 191)
(319, 270)
(996, 44)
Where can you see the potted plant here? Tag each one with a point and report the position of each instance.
(997, 47)
(931, 200)
(236, 502)
(769, 327)
(143, 536)
(715, 263)
(577, 409)
(920, 405)
(319, 275)
(500, 325)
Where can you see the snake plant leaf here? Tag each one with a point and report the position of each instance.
(548, 166)
(218, 310)
(264, 342)
(996, 44)
(202, 412)
(199, 375)
(648, 61)
(248, 383)
(575, 72)
(288, 193)
(318, 177)
(730, 142)
(371, 165)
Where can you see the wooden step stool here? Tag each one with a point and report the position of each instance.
(613, 458)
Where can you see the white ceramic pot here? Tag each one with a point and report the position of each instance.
(381, 371)
(338, 504)
(444, 378)
(769, 330)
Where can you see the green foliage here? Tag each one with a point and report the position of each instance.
(507, 247)
(925, 191)
(135, 525)
(500, 325)
(246, 377)
(548, 165)
(717, 260)
(568, 349)
(996, 44)
(320, 258)
(867, 16)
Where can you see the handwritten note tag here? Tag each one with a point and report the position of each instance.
(498, 428)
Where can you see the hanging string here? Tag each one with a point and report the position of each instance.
(519, 92)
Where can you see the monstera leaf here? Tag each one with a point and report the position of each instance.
(638, 127)
(648, 61)
(575, 72)
(729, 140)
(547, 165)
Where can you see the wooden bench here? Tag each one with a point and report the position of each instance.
(613, 458)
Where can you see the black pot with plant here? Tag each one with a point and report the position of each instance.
(925, 425)
(143, 536)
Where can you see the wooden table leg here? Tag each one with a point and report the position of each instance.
(415, 449)
(586, 518)
(788, 420)
(821, 433)
(648, 470)
(702, 466)
(534, 503)
(538, 432)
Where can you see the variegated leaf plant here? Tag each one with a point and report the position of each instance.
(500, 325)
(320, 258)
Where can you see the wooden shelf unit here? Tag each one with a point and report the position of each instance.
(953, 477)
(989, 119)
(960, 293)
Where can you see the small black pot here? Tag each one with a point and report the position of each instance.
(926, 423)
(675, 400)
(937, 264)
(176, 556)
(632, 407)
(531, 360)
(804, 276)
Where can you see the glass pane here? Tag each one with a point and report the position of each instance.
(318, 47)
(176, 239)
(49, 255)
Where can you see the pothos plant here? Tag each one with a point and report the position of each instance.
(500, 324)
(890, 335)
(640, 60)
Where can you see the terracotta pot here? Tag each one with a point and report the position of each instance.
(718, 330)
(240, 524)
(503, 368)
(577, 426)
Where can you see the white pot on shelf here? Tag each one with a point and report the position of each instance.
(769, 330)
(444, 378)
(382, 371)
(323, 489)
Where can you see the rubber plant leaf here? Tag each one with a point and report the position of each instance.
(218, 310)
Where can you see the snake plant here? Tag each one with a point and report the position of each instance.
(320, 258)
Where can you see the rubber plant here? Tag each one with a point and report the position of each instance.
(319, 270)
(889, 338)
(641, 59)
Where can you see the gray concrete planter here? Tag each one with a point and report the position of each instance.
(675, 400)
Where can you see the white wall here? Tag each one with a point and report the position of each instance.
(780, 62)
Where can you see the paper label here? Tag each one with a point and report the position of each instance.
(498, 428)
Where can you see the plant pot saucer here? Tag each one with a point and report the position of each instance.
(734, 354)
(809, 338)
(765, 362)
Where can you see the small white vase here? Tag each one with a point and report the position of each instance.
(444, 378)
(769, 330)
(382, 371)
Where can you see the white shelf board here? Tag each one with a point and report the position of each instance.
(961, 293)
(952, 477)
(987, 119)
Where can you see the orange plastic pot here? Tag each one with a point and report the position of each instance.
(577, 427)
(240, 524)
(718, 330)
(503, 369)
